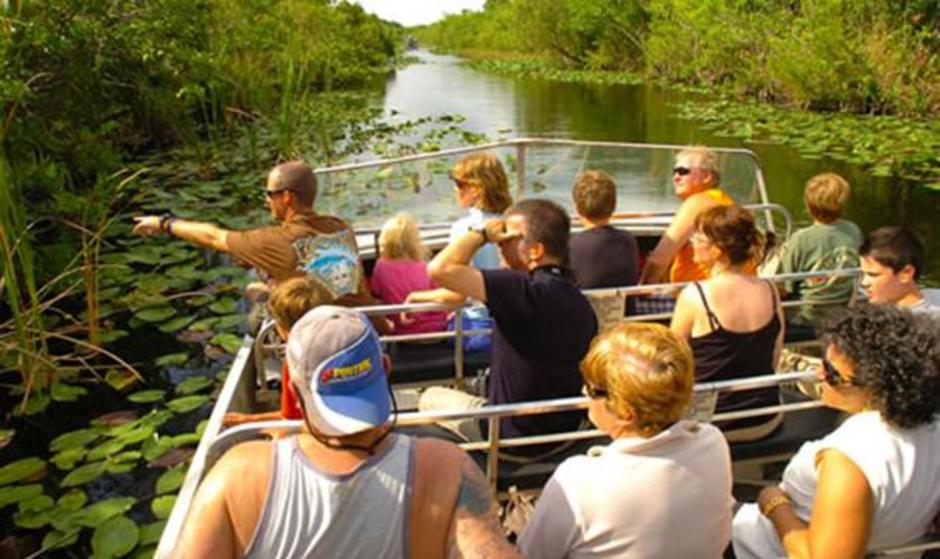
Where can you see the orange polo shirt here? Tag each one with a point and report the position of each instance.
(684, 267)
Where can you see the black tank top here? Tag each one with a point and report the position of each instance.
(725, 355)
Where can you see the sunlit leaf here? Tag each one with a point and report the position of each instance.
(176, 324)
(55, 539)
(34, 512)
(187, 403)
(6, 435)
(93, 515)
(163, 506)
(155, 314)
(171, 480)
(73, 500)
(83, 474)
(121, 379)
(102, 451)
(16, 493)
(62, 392)
(67, 459)
(225, 305)
(229, 342)
(25, 468)
(146, 396)
(73, 439)
(115, 537)
(150, 533)
(193, 384)
(172, 359)
(111, 336)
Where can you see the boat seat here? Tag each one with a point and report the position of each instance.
(797, 428)
(427, 362)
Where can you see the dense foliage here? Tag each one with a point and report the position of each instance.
(858, 55)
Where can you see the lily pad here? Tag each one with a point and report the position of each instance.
(115, 537)
(176, 324)
(163, 506)
(37, 403)
(105, 450)
(171, 480)
(229, 321)
(172, 359)
(94, 515)
(27, 468)
(83, 474)
(16, 493)
(141, 433)
(155, 314)
(119, 468)
(187, 403)
(111, 336)
(73, 500)
(121, 379)
(172, 457)
(185, 439)
(146, 396)
(62, 392)
(150, 533)
(115, 418)
(34, 512)
(225, 305)
(55, 539)
(67, 459)
(229, 342)
(204, 324)
(145, 552)
(73, 439)
(193, 385)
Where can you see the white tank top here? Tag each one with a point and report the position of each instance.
(901, 466)
(312, 513)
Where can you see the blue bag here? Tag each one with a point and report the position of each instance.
(475, 318)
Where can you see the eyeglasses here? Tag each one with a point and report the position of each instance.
(593, 392)
(273, 193)
(833, 377)
(681, 170)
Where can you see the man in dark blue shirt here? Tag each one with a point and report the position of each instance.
(543, 325)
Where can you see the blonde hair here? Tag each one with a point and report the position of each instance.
(292, 298)
(400, 239)
(484, 172)
(825, 196)
(594, 194)
(646, 369)
(703, 158)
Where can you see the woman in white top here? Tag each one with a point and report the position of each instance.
(662, 488)
(872, 483)
(482, 189)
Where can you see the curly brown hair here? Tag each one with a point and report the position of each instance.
(733, 230)
(895, 355)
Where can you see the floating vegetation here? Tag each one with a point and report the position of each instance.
(537, 69)
(886, 145)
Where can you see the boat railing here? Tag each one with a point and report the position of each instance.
(522, 147)
(437, 233)
(265, 340)
(705, 396)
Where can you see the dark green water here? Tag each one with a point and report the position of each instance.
(504, 107)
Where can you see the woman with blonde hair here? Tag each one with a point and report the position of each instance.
(733, 320)
(482, 189)
(402, 269)
(662, 488)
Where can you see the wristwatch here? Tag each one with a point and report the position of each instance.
(481, 229)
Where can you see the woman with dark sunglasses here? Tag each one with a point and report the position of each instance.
(662, 488)
(872, 483)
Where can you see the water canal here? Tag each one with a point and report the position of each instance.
(505, 107)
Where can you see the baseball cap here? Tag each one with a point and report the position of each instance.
(335, 363)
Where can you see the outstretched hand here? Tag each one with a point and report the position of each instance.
(147, 226)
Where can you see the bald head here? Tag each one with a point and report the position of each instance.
(296, 177)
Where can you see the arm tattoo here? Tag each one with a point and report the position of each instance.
(474, 497)
(477, 533)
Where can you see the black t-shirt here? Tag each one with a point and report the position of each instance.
(542, 327)
(605, 257)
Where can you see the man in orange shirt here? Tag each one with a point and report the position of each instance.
(695, 177)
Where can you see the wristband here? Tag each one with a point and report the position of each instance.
(481, 230)
(163, 222)
(169, 226)
(773, 504)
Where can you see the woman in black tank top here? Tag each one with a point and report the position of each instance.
(728, 241)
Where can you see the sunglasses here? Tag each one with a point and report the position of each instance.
(273, 193)
(681, 171)
(833, 377)
(593, 392)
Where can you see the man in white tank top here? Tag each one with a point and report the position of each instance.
(346, 486)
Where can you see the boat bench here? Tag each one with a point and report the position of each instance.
(796, 428)
(414, 363)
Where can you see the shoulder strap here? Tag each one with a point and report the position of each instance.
(712, 319)
(435, 483)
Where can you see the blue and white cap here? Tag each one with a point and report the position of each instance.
(335, 363)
